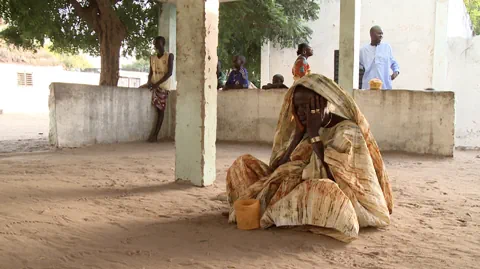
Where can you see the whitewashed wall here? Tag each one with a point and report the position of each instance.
(462, 75)
(459, 24)
(463, 79)
(409, 26)
(18, 99)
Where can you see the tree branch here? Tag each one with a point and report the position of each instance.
(81, 11)
(106, 10)
(106, 6)
(88, 14)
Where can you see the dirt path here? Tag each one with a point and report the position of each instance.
(118, 207)
(24, 132)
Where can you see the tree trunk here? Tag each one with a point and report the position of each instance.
(110, 43)
(101, 16)
(111, 33)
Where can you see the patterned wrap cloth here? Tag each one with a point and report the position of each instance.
(298, 194)
(159, 98)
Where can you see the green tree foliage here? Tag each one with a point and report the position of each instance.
(102, 27)
(246, 25)
(97, 27)
(473, 7)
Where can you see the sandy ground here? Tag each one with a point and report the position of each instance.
(24, 132)
(117, 207)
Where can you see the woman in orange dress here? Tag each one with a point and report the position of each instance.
(301, 66)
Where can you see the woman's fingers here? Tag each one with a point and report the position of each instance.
(312, 104)
(317, 101)
(309, 113)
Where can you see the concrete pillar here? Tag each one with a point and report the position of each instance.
(196, 110)
(265, 75)
(167, 27)
(440, 51)
(349, 44)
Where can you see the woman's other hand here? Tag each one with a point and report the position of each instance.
(297, 138)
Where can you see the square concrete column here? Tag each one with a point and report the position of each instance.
(265, 75)
(167, 27)
(196, 109)
(440, 51)
(349, 44)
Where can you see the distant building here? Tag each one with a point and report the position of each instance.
(25, 88)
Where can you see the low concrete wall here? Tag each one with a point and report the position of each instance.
(248, 115)
(83, 115)
(409, 121)
(420, 122)
(242, 115)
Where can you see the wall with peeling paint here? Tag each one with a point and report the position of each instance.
(411, 121)
(463, 79)
(83, 115)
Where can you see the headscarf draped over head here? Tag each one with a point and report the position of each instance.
(345, 106)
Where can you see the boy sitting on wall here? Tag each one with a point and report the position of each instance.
(277, 83)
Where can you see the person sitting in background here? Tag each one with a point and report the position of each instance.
(238, 77)
(277, 83)
(301, 66)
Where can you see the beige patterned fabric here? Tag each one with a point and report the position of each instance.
(345, 106)
(159, 67)
(298, 194)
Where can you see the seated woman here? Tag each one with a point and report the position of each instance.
(238, 77)
(277, 83)
(326, 174)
